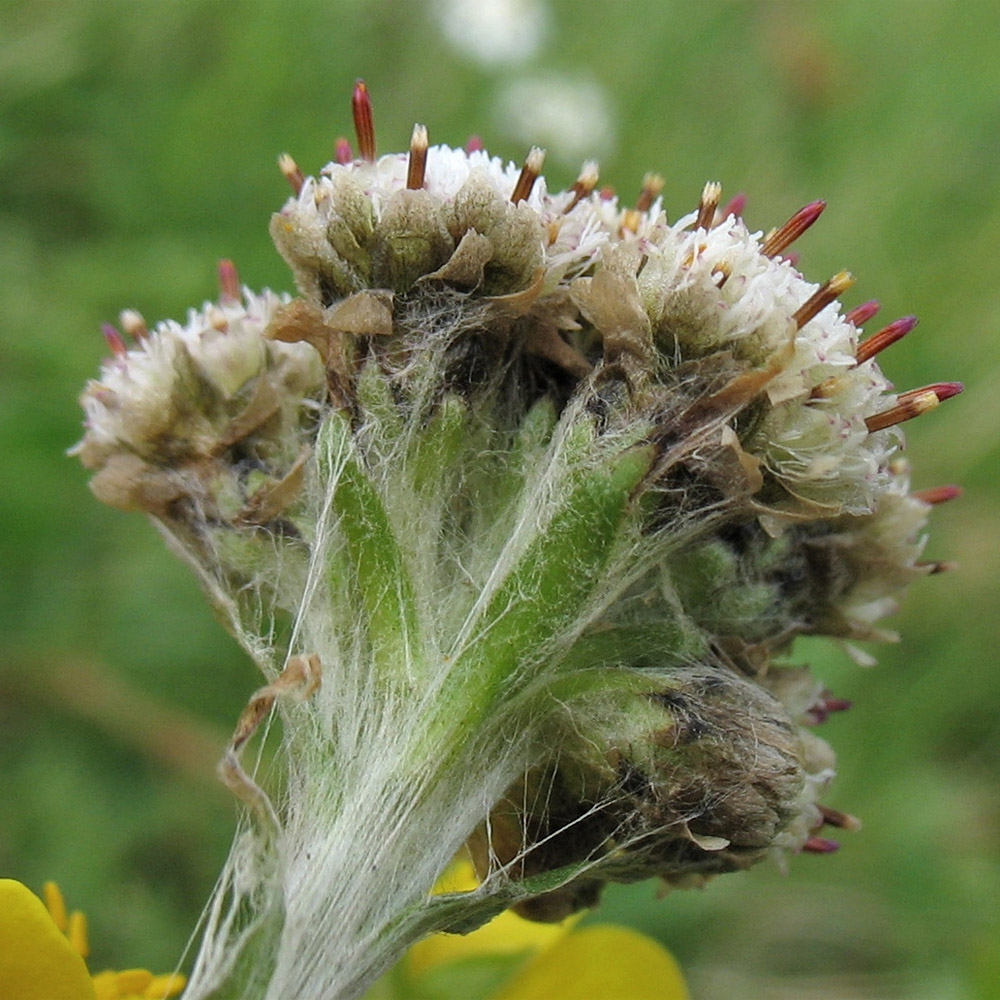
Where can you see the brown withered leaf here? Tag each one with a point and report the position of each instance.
(263, 405)
(465, 267)
(270, 500)
(750, 464)
(520, 302)
(301, 320)
(546, 341)
(364, 314)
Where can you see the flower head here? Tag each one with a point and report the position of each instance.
(519, 506)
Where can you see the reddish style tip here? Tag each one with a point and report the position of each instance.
(115, 340)
(229, 281)
(945, 390)
(938, 494)
(820, 845)
(885, 337)
(342, 151)
(785, 235)
(825, 707)
(860, 315)
(474, 145)
(364, 121)
(734, 206)
(913, 403)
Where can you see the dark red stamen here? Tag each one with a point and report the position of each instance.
(837, 704)
(364, 122)
(907, 409)
(885, 337)
(822, 297)
(787, 234)
(860, 315)
(474, 145)
(913, 403)
(943, 391)
(938, 494)
(652, 185)
(417, 164)
(842, 820)
(937, 566)
(708, 204)
(292, 173)
(583, 185)
(530, 173)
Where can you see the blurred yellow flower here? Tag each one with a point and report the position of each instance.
(515, 959)
(36, 958)
(42, 952)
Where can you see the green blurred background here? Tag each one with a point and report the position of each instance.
(137, 146)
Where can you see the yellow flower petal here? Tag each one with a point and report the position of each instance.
(106, 985)
(55, 904)
(506, 934)
(168, 985)
(36, 960)
(133, 981)
(614, 963)
(137, 984)
(76, 931)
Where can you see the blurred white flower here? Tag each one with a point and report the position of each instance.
(494, 31)
(568, 115)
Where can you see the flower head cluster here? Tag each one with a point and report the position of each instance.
(519, 505)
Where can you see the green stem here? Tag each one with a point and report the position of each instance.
(551, 581)
(383, 587)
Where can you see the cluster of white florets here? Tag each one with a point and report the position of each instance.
(704, 290)
(169, 393)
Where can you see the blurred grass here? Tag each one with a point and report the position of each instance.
(137, 146)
